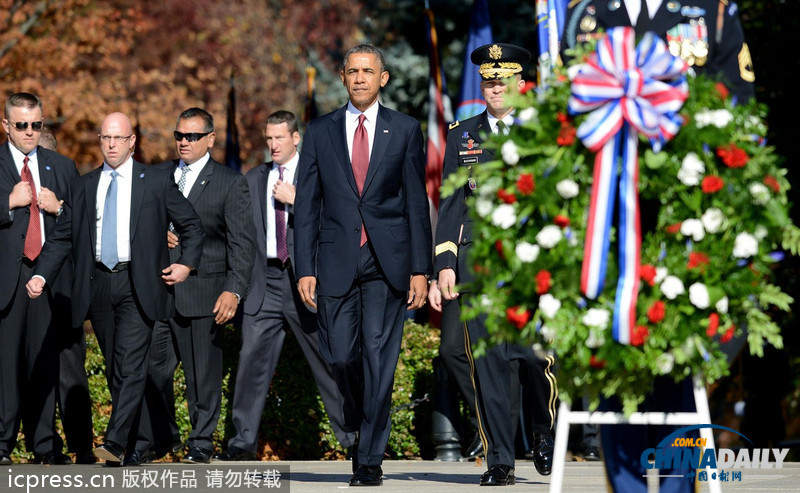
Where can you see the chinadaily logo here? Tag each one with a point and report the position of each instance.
(677, 452)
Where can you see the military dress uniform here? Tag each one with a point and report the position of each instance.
(707, 34)
(497, 399)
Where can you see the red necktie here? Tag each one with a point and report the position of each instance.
(280, 225)
(33, 238)
(360, 162)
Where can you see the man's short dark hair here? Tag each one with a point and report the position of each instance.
(283, 116)
(208, 120)
(365, 48)
(22, 100)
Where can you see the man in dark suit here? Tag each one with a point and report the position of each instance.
(273, 305)
(362, 244)
(33, 179)
(113, 227)
(495, 374)
(206, 301)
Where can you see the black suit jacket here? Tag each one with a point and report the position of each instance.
(221, 198)
(454, 227)
(393, 206)
(56, 173)
(155, 202)
(728, 54)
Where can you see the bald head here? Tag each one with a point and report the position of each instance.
(116, 139)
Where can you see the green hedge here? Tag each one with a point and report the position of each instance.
(294, 424)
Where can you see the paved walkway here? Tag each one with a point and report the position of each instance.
(332, 476)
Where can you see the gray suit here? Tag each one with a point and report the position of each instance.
(272, 306)
(221, 198)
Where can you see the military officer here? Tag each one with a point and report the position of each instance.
(500, 67)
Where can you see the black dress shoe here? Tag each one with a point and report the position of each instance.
(5, 459)
(591, 454)
(139, 457)
(543, 453)
(234, 453)
(110, 452)
(475, 448)
(85, 457)
(367, 476)
(498, 475)
(197, 455)
(52, 458)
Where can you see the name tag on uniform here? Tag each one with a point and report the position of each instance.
(469, 160)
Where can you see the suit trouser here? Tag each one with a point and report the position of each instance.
(263, 334)
(28, 360)
(74, 400)
(497, 398)
(199, 344)
(123, 332)
(360, 336)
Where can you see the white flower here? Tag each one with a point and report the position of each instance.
(504, 216)
(484, 206)
(759, 192)
(698, 295)
(548, 333)
(722, 305)
(718, 118)
(672, 287)
(567, 188)
(486, 302)
(665, 362)
(761, 232)
(595, 339)
(692, 169)
(509, 151)
(528, 114)
(527, 252)
(596, 317)
(712, 219)
(549, 305)
(693, 228)
(745, 245)
(549, 236)
(661, 274)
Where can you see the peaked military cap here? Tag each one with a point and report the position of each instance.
(499, 60)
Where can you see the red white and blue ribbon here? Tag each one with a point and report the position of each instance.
(627, 90)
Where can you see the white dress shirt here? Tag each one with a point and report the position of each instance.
(272, 178)
(508, 120)
(191, 176)
(124, 184)
(634, 7)
(33, 165)
(351, 123)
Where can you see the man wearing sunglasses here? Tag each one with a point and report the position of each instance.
(32, 180)
(204, 303)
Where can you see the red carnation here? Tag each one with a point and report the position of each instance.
(561, 221)
(697, 260)
(508, 198)
(517, 316)
(732, 156)
(713, 324)
(566, 136)
(656, 312)
(498, 245)
(728, 335)
(640, 333)
(543, 278)
(722, 91)
(562, 118)
(648, 274)
(525, 184)
(674, 228)
(772, 183)
(529, 85)
(712, 184)
(596, 362)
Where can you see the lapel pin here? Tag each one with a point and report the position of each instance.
(141, 176)
(47, 168)
(386, 131)
(203, 182)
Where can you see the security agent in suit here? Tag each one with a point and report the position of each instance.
(273, 306)
(362, 246)
(707, 34)
(204, 303)
(28, 330)
(495, 373)
(123, 279)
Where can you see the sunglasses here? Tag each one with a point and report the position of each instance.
(190, 137)
(36, 126)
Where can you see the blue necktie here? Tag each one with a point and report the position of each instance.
(108, 243)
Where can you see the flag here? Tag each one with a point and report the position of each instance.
(550, 16)
(439, 114)
(232, 157)
(471, 100)
(310, 111)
